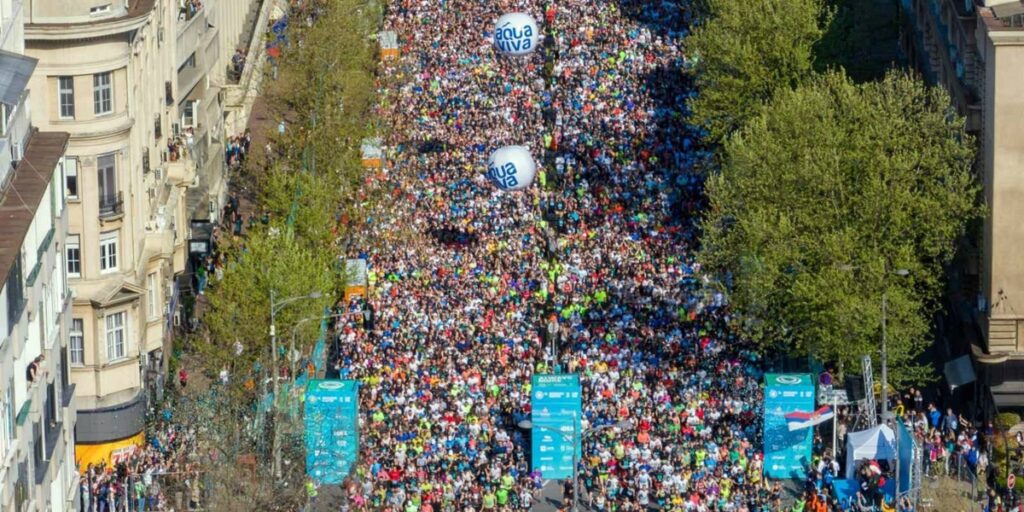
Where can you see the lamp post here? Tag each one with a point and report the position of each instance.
(884, 413)
(276, 306)
(576, 439)
(885, 353)
(902, 272)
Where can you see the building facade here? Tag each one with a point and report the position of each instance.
(975, 49)
(138, 86)
(106, 76)
(37, 413)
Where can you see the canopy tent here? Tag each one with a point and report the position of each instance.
(871, 444)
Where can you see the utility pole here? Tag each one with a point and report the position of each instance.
(276, 449)
(885, 358)
(275, 306)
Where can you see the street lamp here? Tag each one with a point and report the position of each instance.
(885, 414)
(576, 438)
(902, 272)
(276, 306)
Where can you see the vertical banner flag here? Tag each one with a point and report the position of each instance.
(556, 404)
(786, 452)
(332, 429)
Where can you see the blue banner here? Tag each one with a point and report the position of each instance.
(557, 408)
(332, 429)
(786, 454)
(905, 449)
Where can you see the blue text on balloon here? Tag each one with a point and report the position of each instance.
(504, 176)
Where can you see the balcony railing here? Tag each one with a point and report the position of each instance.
(111, 206)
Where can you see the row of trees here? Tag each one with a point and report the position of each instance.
(325, 95)
(828, 197)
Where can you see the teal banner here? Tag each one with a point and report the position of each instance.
(332, 429)
(557, 410)
(787, 453)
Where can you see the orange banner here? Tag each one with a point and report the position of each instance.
(111, 452)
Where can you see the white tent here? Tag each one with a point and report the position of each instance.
(871, 444)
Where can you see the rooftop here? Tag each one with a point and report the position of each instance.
(18, 203)
(136, 9)
(1008, 16)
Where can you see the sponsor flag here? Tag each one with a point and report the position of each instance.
(799, 420)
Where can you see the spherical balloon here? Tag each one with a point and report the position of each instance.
(511, 168)
(516, 34)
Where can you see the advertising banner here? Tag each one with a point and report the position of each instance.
(332, 429)
(905, 448)
(557, 409)
(787, 453)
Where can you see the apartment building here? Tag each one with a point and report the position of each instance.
(137, 85)
(975, 49)
(37, 414)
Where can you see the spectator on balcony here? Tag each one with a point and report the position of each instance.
(32, 371)
(190, 139)
(173, 152)
(238, 63)
(188, 8)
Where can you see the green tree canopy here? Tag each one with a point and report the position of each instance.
(822, 197)
(240, 304)
(747, 50)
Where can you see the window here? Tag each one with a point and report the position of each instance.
(152, 292)
(188, 114)
(71, 177)
(102, 94)
(15, 294)
(7, 420)
(107, 173)
(73, 253)
(77, 341)
(66, 94)
(108, 251)
(115, 336)
(99, 10)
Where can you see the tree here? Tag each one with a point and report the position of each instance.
(327, 93)
(747, 50)
(822, 197)
(240, 304)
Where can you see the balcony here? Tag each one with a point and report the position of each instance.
(195, 33)
(111, 206)
(191, 27)
(15, 127)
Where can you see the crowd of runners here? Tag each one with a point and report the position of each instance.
(467, 279)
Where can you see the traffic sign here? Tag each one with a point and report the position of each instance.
(1011, 480)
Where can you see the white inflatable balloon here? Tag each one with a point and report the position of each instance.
(516, 34)
(511, 168)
